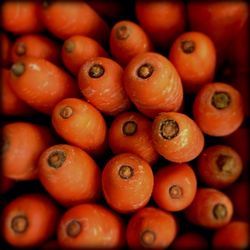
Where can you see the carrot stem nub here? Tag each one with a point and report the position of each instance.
(96, 71)
(73, 229)
(69, 46)
(145, 71)
(18, 68)
(56, 159)
(169, 129)
(221, 100)
(126, 172)
(219, 211)
(188, 46)
(122, 32)
(129, 128)
(225, 163)
(66, 112)
(19, 224)
(175, 192)
(20, 49)
(147, 238)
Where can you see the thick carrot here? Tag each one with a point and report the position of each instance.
(234, 235)
(153, 84)
(23, 143)
(218, 109)
(189, 51)
(151, 227)
(219, 166)
(174, 187)
(11, 104)
(177, 137)
(127, 182)
(78, 49)
(126, 40)
(65, 19)
(131, 132)
(29, 220)
(80, 124)
(210, 208)
(41, 84)
(21, 17)
(5, 50)
(90, 226)
(69, 174)
(36, 45)
(162, 20)
(100, 82)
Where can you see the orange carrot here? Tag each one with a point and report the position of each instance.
(188, 52)
(151, 227)
(21, 17)
(153, 84)
(23, 143)
(80, 124)
(127, 182)
(69, 174)
(100, 81)
(36, 45)
(210, 209)
(218, 109)
(5, 50)
(78, 49)
(175, 187)
(90, 226)
(29, 220)
(126, 40)
(162, 20)
(177, 137)
(131, 132)
(219, 166)
(40, 83)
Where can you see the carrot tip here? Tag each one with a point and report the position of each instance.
(122, 32)
(145, 71)
(96, 71)
(126, 172)
(56, 159)
(18, 69)
(225, 163)
(220, 211)
(19, 224)
(175, 192)
(20, 49)
(66, 112)
(188, 46)
(69, 46)
(73, 229)
(169, 129)
(129, 128)
(221, 100)
(147, 238)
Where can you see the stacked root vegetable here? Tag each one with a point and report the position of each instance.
(124, 124)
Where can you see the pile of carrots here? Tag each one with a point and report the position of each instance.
(124, 124)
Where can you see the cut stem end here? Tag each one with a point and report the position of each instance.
(126, 172)
(19, 224)
(96, 71)
(73, 229)
(56, 159)
(169, 129)
(129, 128)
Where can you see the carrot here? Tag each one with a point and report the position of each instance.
(36, 45)
(5, 50)
(174, 187)
(210, 208)
(126, 40)
(219, 166)
(78, 49)
(80, 124)
(177, 137)
(23, 143)
(29, 220)
(11, 104)
(5, 184)
(151, 227)
(218, 109)
(153, 84)
(169, 20)
(65, 19)
(235, 235)
(127, 182)
(190, 240)
(189, 51)
(21, 17)
(69, 174)
(51, 85)
(90, 226)
(218, 19)
(130, 132)
(100, 82)
(239, 194)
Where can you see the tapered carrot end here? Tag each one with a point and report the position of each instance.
(56, 159)
(18, 69)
